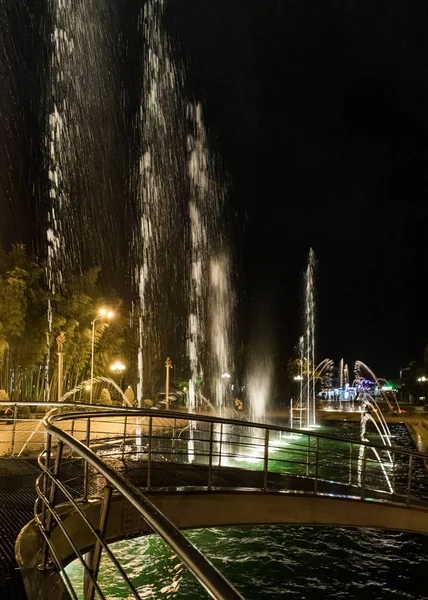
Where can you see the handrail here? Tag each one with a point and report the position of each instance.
(184, 416)
(316, 467)
(214, 582)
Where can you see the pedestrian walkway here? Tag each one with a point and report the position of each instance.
(17, 497)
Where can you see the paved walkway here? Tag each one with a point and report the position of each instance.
(17, 497)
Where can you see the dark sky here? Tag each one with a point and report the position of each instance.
(319, 111)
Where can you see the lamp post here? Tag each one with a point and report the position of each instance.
(118, 369)
(102, 313)
(168, 366)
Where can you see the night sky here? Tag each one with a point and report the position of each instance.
(319, 111)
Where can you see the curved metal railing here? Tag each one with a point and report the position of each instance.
(47, 516)
(280, 458)
(135, 450)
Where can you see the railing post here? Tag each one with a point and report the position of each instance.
(52, 496)
(15, 417)
(350, 462)
(307, 455)
(174, 428)
(124, 437)
(409, 479)
(266, 461)
(46, 476)
(393, 472)
(210, 465)
(85, 465)
(73, 422)
(149, 455)
(97, 551)
(220, 445)
(363, 472)
(317, 449)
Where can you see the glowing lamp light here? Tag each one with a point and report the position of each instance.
(104, 312)
(423, 378)
(298, 378)
(118, 367)
(87, 387)
(226, 376)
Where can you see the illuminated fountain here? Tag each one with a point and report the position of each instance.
(179, 270)
(77, 113)
(322, 373)
(306, 406)
(259, 388)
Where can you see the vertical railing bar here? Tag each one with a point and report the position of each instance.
(317, 448)
(46, 476)
(174, 429)
(149, 455)
(52, 497)
(125, 424)
(15, 417)
(86, 465)
(104, 510)
(266, 461)
(73, 422)
(210, 466)
(393, 472)
(363, 472)
(307, 455)
(409, 479)
(221, 444)
(351, 447)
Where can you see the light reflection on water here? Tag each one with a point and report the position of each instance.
(274, 562)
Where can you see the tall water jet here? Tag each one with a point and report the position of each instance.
(160, 268)
(211, 296)
(309, 339)
(341, 373)
(199, 213)
(57, 151)
(220, 305)
(259, 388)
(180, 271)
(80, 137)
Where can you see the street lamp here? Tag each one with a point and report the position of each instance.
(117, 367)
(423, 378)
(298, 378)
(102, 313)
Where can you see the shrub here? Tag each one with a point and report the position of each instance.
(105, 397)
(129, 395)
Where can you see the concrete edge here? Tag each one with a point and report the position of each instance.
(39, 584)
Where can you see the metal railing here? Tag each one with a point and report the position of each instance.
(21, 424)
(56, 491)
(130, 451)
(262, 457)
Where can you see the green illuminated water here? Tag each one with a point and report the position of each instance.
(273, 562)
